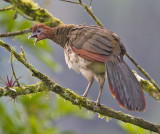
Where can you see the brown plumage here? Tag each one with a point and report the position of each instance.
(94, 51)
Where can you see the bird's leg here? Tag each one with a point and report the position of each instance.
(99, 96)
(88, 88)
(101, 80)
(88, 74)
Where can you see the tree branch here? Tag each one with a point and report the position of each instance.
(48, 85)
(13, 72)
(7, 8)
(38, 14)
(89, 10)
(144, 72)
(35, 13)
(9, 34)
(38, 10)
(148, 87)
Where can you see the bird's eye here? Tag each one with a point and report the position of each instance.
(38, 30)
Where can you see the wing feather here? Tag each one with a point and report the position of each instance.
(92, 42)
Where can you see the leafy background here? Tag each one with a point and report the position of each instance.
(136, 22)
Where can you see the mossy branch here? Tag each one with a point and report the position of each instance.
(89, 10)
(32, 10)
(13, 72)
(148, 87)
(9, 34)
(48, 85)
(7, 8)
(40, 15)
(144, 72)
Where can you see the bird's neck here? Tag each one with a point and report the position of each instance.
(60, 34)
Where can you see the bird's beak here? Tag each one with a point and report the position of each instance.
(33, 35)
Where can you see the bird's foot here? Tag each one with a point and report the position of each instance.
(97, 103)
(85, 97)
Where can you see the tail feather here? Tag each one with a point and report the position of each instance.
(124, 86)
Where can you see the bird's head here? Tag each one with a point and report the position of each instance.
(39, 31)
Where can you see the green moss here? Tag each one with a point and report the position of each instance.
(38, 14)
(71, 96)
(101, 116)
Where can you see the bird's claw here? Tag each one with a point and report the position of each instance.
(97, 103)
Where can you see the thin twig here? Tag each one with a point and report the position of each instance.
(73, 2)
(90, 7)
(26, 17)
(7, 0)
(90, 12)
(35, 12)
(80, 1)
(148, 87)
(23, 53)
(7, 8)
(69, 95)
(48, 85)
(15, 15)
(143, 71)
(13, 72)
(15, 33)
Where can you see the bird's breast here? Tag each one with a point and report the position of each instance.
(72, 60)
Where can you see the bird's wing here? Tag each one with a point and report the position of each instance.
(93, 43)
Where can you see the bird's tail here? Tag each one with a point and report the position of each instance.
(124, 86)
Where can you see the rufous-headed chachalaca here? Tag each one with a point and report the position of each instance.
(94, 51)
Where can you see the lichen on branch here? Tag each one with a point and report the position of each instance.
(31, 9)
(9, 34)
(148, 87)
(7, 8)
(48, 85)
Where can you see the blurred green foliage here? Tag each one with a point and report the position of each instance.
(43, 51)
(132, 129)
(36, 114)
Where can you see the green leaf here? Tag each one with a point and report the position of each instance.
(132, 129)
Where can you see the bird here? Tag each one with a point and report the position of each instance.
(97, 53)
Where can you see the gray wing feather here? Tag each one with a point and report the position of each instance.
(93, 39)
